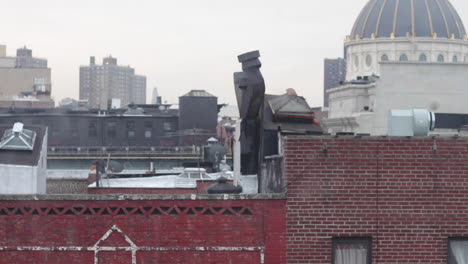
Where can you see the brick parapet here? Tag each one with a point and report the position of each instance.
(139, 197)
(248, 229)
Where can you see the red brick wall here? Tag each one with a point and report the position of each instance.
(156, 231)
(408, 194)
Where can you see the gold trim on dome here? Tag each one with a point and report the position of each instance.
(395, 15)
(358, 37)
(452, 36)
(429, 16)
(434, 35)
(413, 30)
(392, 35)
(466, 37)
(373, 36)
(377, 26)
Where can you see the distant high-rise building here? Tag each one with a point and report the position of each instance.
(334, 76)
(24, 59)
(2, 51)
(156, 99)
(24, 76)
(99, 84)
(138, 93)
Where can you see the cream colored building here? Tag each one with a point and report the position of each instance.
(14, 81)
(401, 55)
(24, 76)
(2, 51)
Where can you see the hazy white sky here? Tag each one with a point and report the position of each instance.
(186, 44)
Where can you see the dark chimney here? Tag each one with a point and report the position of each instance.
(223, 187)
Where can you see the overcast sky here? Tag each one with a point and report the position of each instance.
(186, 44)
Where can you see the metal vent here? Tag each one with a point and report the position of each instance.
(18, 138)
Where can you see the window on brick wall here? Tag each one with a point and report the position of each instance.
(458, 250)
(352, 250)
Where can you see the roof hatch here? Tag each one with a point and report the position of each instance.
(18, 138)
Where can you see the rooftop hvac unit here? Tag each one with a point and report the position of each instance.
(408, 123)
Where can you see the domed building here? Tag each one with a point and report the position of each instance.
(401, 54)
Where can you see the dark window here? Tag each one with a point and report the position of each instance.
(458, 250)
(92, 129)
(440, 58)
(111, 129)
(131, 125)
(423, 57)
(74, 128)
(148, 124)
(131, 129)
(148, 134)
(352, 250)
(403, 57)
(148, 129)
(168, 126)
(55, 129)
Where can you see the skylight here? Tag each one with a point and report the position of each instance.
(18, 138)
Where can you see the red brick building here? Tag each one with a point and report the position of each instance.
(131, 229)
(349, 200)
(376, 200)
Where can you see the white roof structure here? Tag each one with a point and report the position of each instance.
(18, 138)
